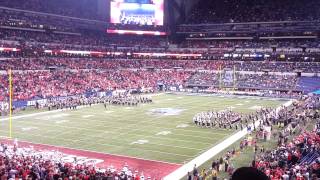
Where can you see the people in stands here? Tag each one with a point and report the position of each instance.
(29, 163)
(253, 11)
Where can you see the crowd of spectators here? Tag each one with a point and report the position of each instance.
(45, 84)
(288, 43)
(40, 23)
(51, 77)
(204, 12)
(34, 33)
(74, 8)
(267, 81)
(100, 39)
(29, 163)
(293, 159)
(253, 11)
(243, 81)
(90, 40)
(45, 63)
(299, 158)
(33, 41)
(39, 39)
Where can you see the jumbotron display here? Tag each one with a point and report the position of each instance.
(137, 12)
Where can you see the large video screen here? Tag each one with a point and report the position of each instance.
(137, 12)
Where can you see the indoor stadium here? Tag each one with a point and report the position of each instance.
(159, 90)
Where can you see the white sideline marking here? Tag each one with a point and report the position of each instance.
(87, 116)
(55, 116)
(140, 141)
(182, 126)
(106, 145)
(31, 115)
(177, 147)
(29, 128)
(163, 133)
(109, 112)
(182, 171)
(61, 121)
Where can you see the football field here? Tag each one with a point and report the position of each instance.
(160, 131)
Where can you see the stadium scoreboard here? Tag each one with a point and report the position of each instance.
(138, 14)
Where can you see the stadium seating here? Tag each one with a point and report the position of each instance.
(309, 158)
(29, 163)
(44, 84)
(83, 62)
(244, 81)
(66, 8)
(288, 159)
(254, 11)
(308, 84)
(99, 70)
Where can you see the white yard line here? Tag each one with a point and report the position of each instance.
(120, 128)
(148, 123)
(129, 132)
(106, 144)
(31, 115)
(143, 137)
(204, 157)
(181, 147)
(41, 113)
(118, 134)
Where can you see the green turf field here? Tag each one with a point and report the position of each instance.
(160, 131)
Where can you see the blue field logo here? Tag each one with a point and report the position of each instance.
(165, 112)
